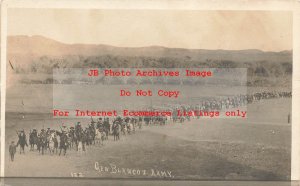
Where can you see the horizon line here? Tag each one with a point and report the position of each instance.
(148, 46)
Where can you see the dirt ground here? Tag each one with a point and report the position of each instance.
(256, 148)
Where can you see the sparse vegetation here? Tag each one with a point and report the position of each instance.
(39, 55)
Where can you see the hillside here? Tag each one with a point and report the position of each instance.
(37, 54)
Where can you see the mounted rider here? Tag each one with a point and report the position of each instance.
(92, 123)
(99, 123)
(48, 132)
(78, 131)
(63, 142)
(72, 131)
(64, 128)
(43, 133)
(22, 137)
(33, 133)
(106, 126)
(33, 139)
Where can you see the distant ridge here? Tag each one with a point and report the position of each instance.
(33, 59)
(35, 46)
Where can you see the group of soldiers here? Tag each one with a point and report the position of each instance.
(238, 100)
(270, 95)
(77, 137)
(221, 103)
(74, 137)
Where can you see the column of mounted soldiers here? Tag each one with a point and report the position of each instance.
(78, 137)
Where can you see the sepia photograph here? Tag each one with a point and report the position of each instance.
(149, 94)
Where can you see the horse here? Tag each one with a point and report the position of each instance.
(80, 147)
(79, 137)
(103, 136)
(42, 144)
(63, 144)
(33, 140)
(182, 119)
(55, 143)
(89, 137)
(22, 142)
(92, 133)
(84, 139)
(123, 128)
(72, 138)
(106, 126)
(51, 142)
(99, 138)
(116, 132)
(130, 128)
(140, 123)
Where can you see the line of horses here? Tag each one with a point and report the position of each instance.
(77, 137)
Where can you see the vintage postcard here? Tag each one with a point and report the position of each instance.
(158, 92)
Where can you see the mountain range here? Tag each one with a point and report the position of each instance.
(24, 49)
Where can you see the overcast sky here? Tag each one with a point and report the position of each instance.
(230, 30)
